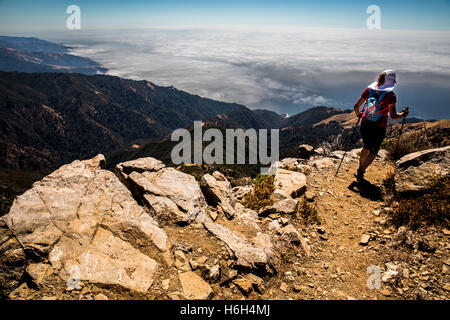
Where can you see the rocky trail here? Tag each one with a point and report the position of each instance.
(152, 232)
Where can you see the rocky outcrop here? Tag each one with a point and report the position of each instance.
(416, 170)
(171, 195)
(218, 193)
(84, 223)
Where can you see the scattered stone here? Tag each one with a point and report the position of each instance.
(284, 287)
(100, 296)
(202, 260)
(279, 195)
(286, 206)
(257, 282)
(274, 225)
(244, 284)
(365, 238)
(309, 196)
(213, 214)
(323, 163)
(389, 276)
(194, 287)
(227, 275)
(297, 288)
(194, 264)
(321, 230)
(385, 292)
(211, 274)
(289, 233)
(37, 272)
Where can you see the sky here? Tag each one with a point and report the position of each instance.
(284, 56)
(26, 15)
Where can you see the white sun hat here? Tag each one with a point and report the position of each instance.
(389, 82)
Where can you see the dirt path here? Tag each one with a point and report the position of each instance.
(338, 266)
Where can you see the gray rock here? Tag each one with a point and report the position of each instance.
(170, 194)
(290, 182)
(285, 206)
(247, 255)
(218, 192)
(194, 287)
(416, 170)
(84, 221)
(289, 233)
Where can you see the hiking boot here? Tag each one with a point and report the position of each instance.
(359, 175)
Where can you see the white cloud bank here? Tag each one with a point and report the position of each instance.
(283, 69)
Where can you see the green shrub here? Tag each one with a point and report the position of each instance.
(308, 212)
(261, 194)
(427, 209)
(389, 187)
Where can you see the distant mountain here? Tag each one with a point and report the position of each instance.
(246, 118)
(35, 55)
(305, 127)
(311, 116)
(47, 119)
(30, 44)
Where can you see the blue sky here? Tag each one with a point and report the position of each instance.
(21, 16)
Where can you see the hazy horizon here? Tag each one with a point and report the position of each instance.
(286, 70)
(284, 56)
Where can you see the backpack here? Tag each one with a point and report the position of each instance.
(373, 110)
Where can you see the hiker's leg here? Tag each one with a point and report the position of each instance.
(362, 157)
(369, 159)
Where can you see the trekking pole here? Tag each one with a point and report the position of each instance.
(348, 144)
(401, 129)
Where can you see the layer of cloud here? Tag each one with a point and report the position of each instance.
(284, 69)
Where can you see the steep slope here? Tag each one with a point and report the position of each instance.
(246, 118)
(52, 118)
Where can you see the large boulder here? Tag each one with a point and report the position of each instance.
(86, 223)
(416, 170)
(170, 194)
(289, 182)
(218, 192)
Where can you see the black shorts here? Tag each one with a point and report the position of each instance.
(372, 136)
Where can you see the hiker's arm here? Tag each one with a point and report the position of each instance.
(357, 106)
(394, 114)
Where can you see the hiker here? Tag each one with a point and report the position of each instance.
(379, 99)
